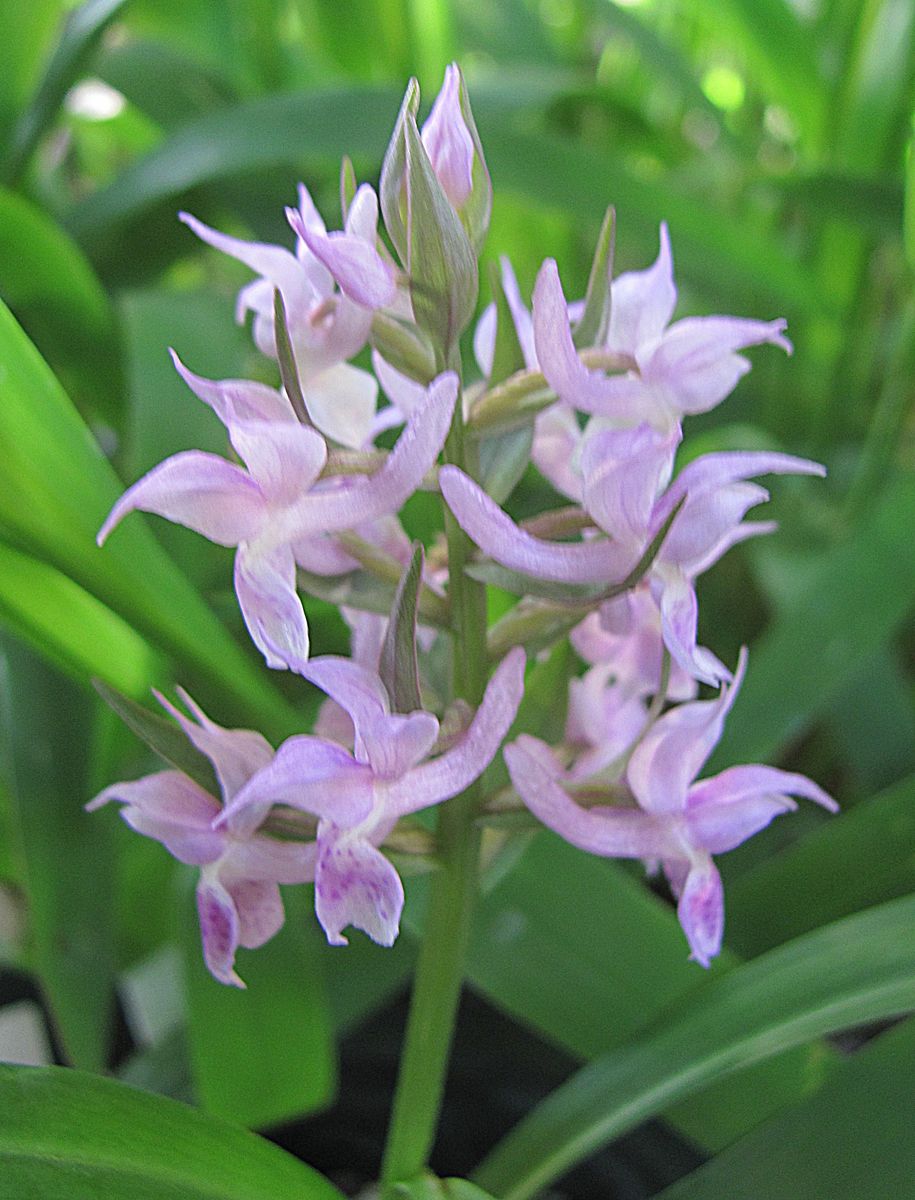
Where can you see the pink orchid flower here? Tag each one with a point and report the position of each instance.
(687, 367)
(623, 473)
(326, 327)
(678, 822)
(359, 798)
(238, 900)
(279, 502)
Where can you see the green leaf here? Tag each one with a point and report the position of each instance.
(852, 1139)
(851, 601)
(860, 858)
(163, 736)
(398, 666)
(265, 1054)
(48, 728)
(82, 30)
(857, 970)
(594, 322)
(71, 628)
(55, 490)
(70, 1136)
(47, 282)
(430, 1188)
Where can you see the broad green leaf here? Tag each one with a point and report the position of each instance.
(852, 600)
(81, 32)
(398, 666)
(68, 859)
(265, 1054)
(852, 1139)
(47, 282)
(71, 628)
(859, 858)
(55, 490)
(362, 976)
(857, 970)
(578, 948)
(70, 1136)
(163, 736)
(25, 34)
(169, 86)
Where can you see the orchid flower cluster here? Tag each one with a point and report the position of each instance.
(594, 393)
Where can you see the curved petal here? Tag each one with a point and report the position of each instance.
(609, 832)
(236, 754)
(270, 606)
(457, 768)
(556, 448)
(498, 536)
(355, 687)
(219, 928)
(730, 807)
(266, 859)
(642, 302)
(570, 379)
(173, 810)
(701, 911)
(274, 263)
(670, 756)
(351, 258)
(706, 525)
(679, 608)
(404, 393)
(395, 743)
(259, 908)
(237, 399)
(356, 885)
(316, 776)
(285, 460)
(623, 471)
(484, 335)
(447, 140)
(341, 401)
(202, 491)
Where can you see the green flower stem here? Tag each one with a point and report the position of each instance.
(452, 890)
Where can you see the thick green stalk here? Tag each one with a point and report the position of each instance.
(452, 890)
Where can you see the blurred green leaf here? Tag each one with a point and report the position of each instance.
(852, 1139)
(25, 32)
(49, 285)
(576, 947)
(55, 490)
(858, 970)
(70, 627)
(852, 599)
(860, 858)
(70, 1136)
(265, 1054)
(68, 859)
(169, 86)
(82, 29)
(430, 1188)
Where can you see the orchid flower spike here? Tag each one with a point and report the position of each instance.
(238, 900)
(359, 798)
(677, 822)
(279, 502)
(687, 367)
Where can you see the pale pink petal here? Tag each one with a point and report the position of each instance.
(270, 606)
(642, 302)
(679, 606)
(405, 394)
(610, 832)
(260, 911)
(712, 471)
(604, 718)
(341, 401)
(237, 399)
(218, 929)
(622, 472)
(570, 379)
(498, 536)
(355, 885)
(266, 859)
(236, 754)
(285, 460)
(484, 335)
(355, 687)
(456, 769)
(202, 491)
(173, 810)
(274, 263)
(394, 743)
(556, 448)
(725, 810)
(316, 776)
(670, 756)
(707, 523)
(447, 141)
(352, 260)
(701, 911)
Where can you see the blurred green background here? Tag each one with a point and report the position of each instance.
(776, 140)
